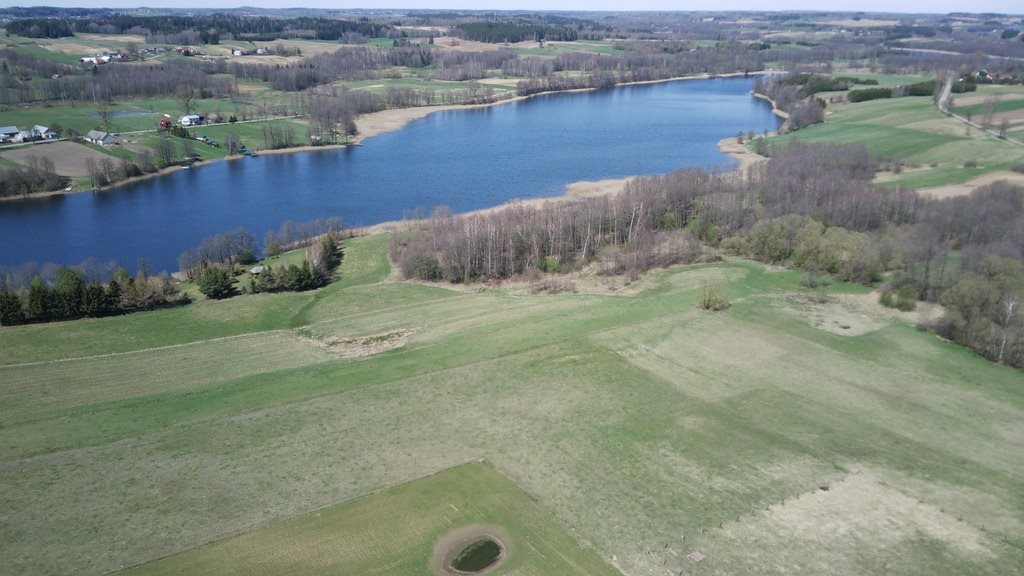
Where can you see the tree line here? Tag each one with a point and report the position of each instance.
(67, 84)
(209, 27)
(38, 176)
(795, 95)
(321, 259)
(31, 293)
(812, 207)
(218, 260)
(497, 32)
(70, 296)
(167, 152)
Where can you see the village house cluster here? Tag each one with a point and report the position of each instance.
(986, 77)
(106, 57)
(13, 135)
(103, 58)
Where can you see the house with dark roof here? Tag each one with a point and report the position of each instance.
(101, 138)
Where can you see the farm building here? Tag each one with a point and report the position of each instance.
(101, 138)
(7, 133)
(191, 120)
(94, 59)
(42, 132)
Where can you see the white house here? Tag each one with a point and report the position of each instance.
(94, 59)
(190, 120)
(101, 138)
(42, 132)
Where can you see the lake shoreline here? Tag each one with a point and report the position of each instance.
(396, 118)
(574, 191)
(382, 122)
(431, 163)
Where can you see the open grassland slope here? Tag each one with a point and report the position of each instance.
(396, 532)
(781, 436)
(937, 150)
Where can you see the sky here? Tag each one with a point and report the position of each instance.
(932, 6)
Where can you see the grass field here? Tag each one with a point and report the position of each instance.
(769, 437)
(382, 84)
(82, 117)
(393, 533)
(1001, 106)
(912, 130)
(555, 48)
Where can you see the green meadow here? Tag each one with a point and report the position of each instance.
(396, 531)
(938, 150)
(622, 427)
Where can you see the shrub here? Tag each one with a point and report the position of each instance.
(550, 264)
(712, 297)
(734, 246)
(906, 298)
(887, 299)
(866, 94)
(426, 268)
(926, 88)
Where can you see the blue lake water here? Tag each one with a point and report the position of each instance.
(465, 159)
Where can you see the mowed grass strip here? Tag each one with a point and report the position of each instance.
(999, 106)
(393, 533)
(31, 391)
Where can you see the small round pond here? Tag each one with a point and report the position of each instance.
(477, 556)
(473, 550)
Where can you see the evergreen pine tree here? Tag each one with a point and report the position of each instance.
(68, 291)
(11, 312)
(39, 301)
(216, 283)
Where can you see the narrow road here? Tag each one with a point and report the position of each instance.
(943, 105)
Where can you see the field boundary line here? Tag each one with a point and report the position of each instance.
(140, 350)
(278, 521)
(205, 341)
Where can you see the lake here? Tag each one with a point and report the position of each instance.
(465, 159)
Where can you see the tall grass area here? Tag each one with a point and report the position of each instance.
(762, 436)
